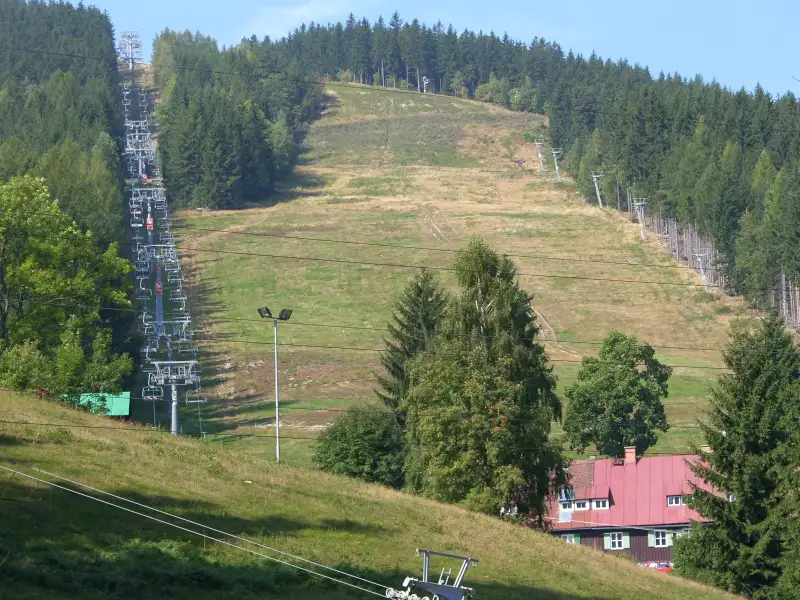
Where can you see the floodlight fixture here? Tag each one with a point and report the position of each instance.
(283, 315)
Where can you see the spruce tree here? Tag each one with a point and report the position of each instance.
(741, 547)
(418, 313)
(482, 397)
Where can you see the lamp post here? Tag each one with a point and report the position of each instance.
(284, 315)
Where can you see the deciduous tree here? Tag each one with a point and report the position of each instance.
(616, 401)
(482, 397)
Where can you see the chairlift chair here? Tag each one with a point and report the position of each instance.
(194, 397)
(152, 393)
(143, 293)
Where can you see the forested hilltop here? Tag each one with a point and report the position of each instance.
(229, 119)
(725, 161)
(62, 281)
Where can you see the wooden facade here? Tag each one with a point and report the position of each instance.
(639, 548)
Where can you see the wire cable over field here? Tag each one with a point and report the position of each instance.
(205, 527)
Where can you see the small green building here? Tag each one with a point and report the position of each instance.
(110, 405)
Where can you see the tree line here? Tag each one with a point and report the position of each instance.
(229, 119)
(469, 397)
(62, 281)
(723, 160)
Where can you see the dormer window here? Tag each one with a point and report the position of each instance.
(600, 504)
(565, 499)
(675, 501)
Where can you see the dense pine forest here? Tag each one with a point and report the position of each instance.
(721, 160)
(62, 281)
(229, 119)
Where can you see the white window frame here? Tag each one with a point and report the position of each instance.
(587, 504)
(600, 504)
(660, 539)
(568, 538)
(566, 499)
(675, 501)
(683, 532)
(617, 540)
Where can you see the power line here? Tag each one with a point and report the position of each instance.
(434, 268)
(132, 429)
(362, 349)
(307, 439)
(432, 249)
(352, 327)
(205, 536)
(246, 540)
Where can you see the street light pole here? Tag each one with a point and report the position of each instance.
(283, 315)
(277, 406)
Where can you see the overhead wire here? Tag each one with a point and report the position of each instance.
(380, 350)
(293, 323)
(434, 249)
(197, 533)
(209, 528)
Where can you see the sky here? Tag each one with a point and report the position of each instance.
(737, 42)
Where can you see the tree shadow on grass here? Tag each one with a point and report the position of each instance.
(59, 545)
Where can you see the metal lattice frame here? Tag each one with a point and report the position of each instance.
(170, 358)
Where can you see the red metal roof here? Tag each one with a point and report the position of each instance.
(591, 492)
(637, 492)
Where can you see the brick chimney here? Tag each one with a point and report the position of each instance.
(630, 455)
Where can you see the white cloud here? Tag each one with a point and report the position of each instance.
(276, 20)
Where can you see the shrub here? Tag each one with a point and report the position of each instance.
(365, 443)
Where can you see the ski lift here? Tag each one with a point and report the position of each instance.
(159, 288)
(152, 393)
(175, 277)
(191, 351)
(143, 293)
(194, 397)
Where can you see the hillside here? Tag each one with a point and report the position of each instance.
(58, 545)
(388, 168)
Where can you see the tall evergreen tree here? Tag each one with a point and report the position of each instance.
(741, 547)
(482, 397)
(417, 315)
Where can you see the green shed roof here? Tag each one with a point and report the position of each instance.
(115, 405)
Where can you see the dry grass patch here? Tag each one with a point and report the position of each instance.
(377, 170)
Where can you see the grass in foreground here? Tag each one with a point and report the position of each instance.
(57, 545)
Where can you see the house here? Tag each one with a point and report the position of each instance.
(627, 505)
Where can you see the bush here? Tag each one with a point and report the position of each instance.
(363, 443)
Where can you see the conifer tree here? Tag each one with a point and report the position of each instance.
(741, 547)
(418, 314)
(482, 397)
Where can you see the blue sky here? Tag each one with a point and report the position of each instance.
(736, 42)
